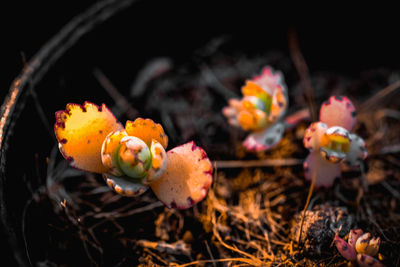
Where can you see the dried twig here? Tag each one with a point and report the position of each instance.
(221, 164)
(119, 99)
(302, 70)
(310, 191)
(373, 100)
(199, 262)
(178, 248)
(150, 71)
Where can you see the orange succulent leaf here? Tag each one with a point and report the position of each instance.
(187, 177)
(252, 89)
(147, 130)
(81, 130)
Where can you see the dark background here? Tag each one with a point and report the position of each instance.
(336, 38)
(332, 38)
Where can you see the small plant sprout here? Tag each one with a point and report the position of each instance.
(132, 158)
(260, 110)
(360, 247)
(331, 142)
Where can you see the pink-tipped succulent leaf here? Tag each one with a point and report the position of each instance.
(124, 185)
(264, 140)
(269, 79)
(364, 260)
(325, 172)
(353, 236)
(81, 130)
(314, 136)
(345, 249)
(338, 111)
(186, 179)
(357, 152)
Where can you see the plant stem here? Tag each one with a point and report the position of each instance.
(310, 191)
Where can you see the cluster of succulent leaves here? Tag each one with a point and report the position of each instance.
(360, 247)
(134, 158)
(261, 110)
(331, 142)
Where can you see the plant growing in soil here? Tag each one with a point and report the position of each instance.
(132, 158)
(360, 248)
(261, 109)
(331, 143)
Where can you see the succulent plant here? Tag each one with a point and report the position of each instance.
(360, 247)
(332, 143)
(133, 158)
(260, 110)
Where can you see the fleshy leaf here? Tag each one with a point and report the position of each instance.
(81, 130)
(252, 119)
(109, 152)
(253, 89)
(353, 236)
(295, 118)
(338, 144)
(264, 140)
(357, 152)
(159, 162)
(147, 130)
(269, 80)
(347, 251)
(124, 185)
(279, 103)
(326, 172)
(231, 112)
(367, 245)
(134, 157)
(368, 261)
(338, 111)
(186, 179)
(314, 136)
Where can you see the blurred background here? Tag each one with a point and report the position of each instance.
(335, 37)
